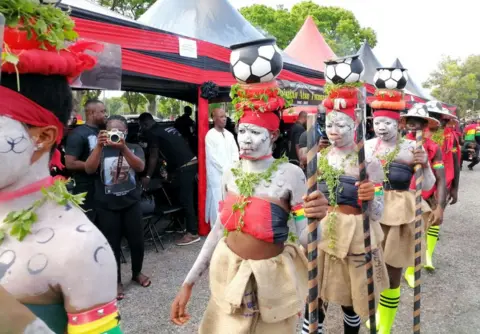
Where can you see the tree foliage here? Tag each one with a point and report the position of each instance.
(136, 102)
(130, 8)
(457, 82)
(114, 105)
(339, 27)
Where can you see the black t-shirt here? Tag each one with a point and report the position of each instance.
(302, 142)
(295, 133)
(80, 143)
(184, 124)
(116, 186)
(171, 144)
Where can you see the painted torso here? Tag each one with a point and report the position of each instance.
(379, 148)
(64, 260)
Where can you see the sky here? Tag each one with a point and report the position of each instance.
(418, 32)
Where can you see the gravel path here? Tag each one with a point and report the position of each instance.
(450, 297)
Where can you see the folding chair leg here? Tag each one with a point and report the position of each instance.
(158, 236)
(153, 237)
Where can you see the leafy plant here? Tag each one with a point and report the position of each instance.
(390, 157)
(438, 137)
(331, 176)
(329, 87)
(18, 224)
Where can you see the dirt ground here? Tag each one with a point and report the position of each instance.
(450, 296)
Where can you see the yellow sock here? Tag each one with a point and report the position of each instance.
(432, 238)
(387, 309)
(410, 276)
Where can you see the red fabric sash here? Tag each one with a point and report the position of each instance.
(387, 113)
(21, 109)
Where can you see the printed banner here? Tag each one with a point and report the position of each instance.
(107, 74)
(302, 94)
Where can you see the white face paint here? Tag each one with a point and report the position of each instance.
(385, 128)
(340, 129)
(16, 150)
(254, 141)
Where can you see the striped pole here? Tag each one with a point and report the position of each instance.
(361, 124)
(312, 147)
(418, 237)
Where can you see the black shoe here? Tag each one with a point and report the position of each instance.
(470, 167)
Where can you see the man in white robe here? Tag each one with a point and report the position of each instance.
(221, 153)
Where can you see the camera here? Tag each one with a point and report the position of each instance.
(115, 136)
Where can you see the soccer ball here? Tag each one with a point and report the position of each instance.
(255, 63)
(390, 78)
(344, 70)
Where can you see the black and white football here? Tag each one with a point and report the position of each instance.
(390, 78)
(254, 63)
(344, 70)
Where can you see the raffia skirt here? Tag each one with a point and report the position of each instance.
(398, 225)
(342, 271)
(249, 296)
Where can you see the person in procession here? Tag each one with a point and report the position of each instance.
(118, 195)
(52, 258)
(295, 132)
(181, 164)
(416, 119)
(443, 134)
(398, 157)
(341, 259)
(221, 153)
(80, 144)
(472, 135)
(258, 272)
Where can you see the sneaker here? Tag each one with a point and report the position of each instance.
(188, 239)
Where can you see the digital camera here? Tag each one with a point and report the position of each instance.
(115, 136)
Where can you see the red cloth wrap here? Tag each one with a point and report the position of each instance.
(69, 63)
(259, 112)
(389, 95)
(431, 148)
(350, 100)
(387, 113)
(21, 109)
(448, 156)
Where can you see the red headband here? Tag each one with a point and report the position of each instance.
(24, 110)
(387, 113)
(267, 120)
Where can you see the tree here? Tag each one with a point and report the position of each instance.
(168, 108)
(114, 105)
(135, 101)
(339, 27)
(130, 8)
(152, 103)
(456, 82)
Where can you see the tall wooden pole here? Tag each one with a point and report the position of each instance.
(361, 128)
(312, 147)
(418, 237)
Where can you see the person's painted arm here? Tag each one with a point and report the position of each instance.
(375, 175)
(202, 262)
(136, 162)
(93, 161)
(300, 222)
(440, 182)
(89, 285)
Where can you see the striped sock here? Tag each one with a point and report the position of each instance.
(433, 231)
(387, 302)
(351, 321)
(321, 319)
(387, 309)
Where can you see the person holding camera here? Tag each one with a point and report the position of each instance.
(118, 195)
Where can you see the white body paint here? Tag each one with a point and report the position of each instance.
(65, 258)
(288, 183)
(386, 130)
(340, 130)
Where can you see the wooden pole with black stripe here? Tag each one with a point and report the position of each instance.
(418, 236)
(361, 128)
(312, 147)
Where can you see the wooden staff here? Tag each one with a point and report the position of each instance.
(361, 125)
(418, 236)
(312, 147)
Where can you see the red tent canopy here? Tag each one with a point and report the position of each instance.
(309, 46)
